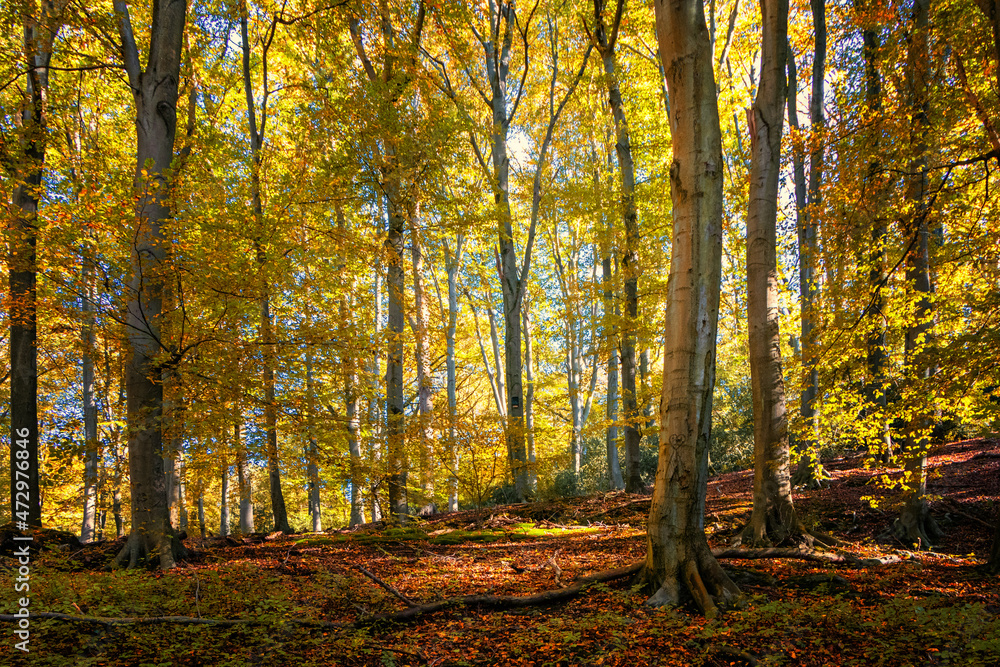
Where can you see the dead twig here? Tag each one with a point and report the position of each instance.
(388, 587)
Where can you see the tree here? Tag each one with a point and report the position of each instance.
(774, 520)
(915, 524)
(630, 260)
(40, 29)
(677, 555)
(257, 135)
(154, 90)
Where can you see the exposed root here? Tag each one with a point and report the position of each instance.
(915, 526)
(138, 551)
(803, 554)
(701, 577)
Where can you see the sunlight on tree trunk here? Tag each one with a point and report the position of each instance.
(677, 555)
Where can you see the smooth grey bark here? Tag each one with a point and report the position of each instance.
(154, 91)
(376, 422)
(244, 483)
(40, 31)
(268, 344)
(425, 380)
(224, 505)
(774, 520)
(677, 554)
(630, 259)
(915, 524)
(452, 262)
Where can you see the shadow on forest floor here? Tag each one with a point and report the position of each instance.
(931, 608)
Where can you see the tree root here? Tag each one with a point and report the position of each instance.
(915, 526)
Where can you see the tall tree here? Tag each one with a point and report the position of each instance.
(425, 380)
(397, 71)
(915, 523)
(452, 261)
(606, 41)
(773, 520)
(257, 135)
(41, 24)
(677, 554)
(154, 90)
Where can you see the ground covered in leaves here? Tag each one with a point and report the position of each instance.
(313, 599)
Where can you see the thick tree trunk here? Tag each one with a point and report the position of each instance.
(425, 381)
(25, 493)
(915, 524)
(243, 480)
(677, 555)
(630, 260)
(351, 403)
(155, 93)
(201, 514)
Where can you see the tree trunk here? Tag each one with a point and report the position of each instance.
(452, 264)
(425, 380)
(91, 444)
(611, 404)
(155, 94)
(224, 505)
(915, 524)
(243, 479)
(677, 555)
(351, 400)
(774, 520)
(395, 420)
(25, 493)
(278, 511)
(876, 357)
(312, 450)
(201, 513)
(630, 260)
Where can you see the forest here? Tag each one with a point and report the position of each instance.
(563, 316)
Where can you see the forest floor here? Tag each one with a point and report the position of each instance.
(310, 599)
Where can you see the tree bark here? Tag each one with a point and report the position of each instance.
(677, 554)
(425, 381)
(915, 524)
(243, 479)
(154, 91)
(351, 397)
(529, 394)
(630, 260)
(39, 35)
(91, 461)
(452, 264)
(312, 450)
(224, 504)
(774, 520)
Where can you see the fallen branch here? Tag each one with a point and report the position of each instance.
(803, 554)
(391, 589)
(505, 601)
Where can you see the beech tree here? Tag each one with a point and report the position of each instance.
(677, 554)
(154, 89)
